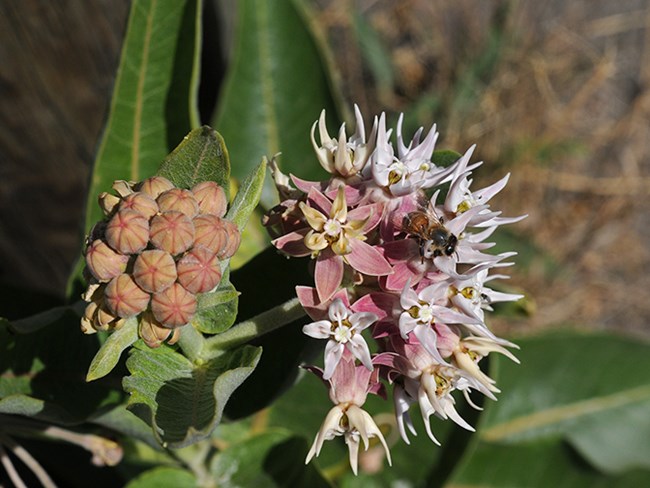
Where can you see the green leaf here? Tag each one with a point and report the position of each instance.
(109, 353)
(164, 477)
(119, 419)
(42, 373)
(374, 53)
(444, 157)
(248, 196)
(154, 98)
(182, 401)
(43, 319)
(275, 89)
(216, 311)
(201, 156)
(560, 396)
(272, 459)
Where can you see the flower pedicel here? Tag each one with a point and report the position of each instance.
(411, 272)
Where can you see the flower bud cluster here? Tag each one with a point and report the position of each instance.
(399, 249)
(157, 248)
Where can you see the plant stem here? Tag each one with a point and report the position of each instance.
(259, 325)
(10, 469)
(191, 342)
(29, 461)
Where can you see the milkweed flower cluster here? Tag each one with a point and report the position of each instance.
(157, 248)
(398, 261)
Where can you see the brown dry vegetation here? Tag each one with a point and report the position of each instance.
(558, 93)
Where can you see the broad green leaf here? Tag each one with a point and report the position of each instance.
(272, 459)
(444, 157)
(163, 477)
(119, 419)
(109, 353)
(153, 104)
(201, 156)
(154, 98)
(183, 401)
(42, 373)
(374, 53)
(591, 392)
(275, 89)
(216, 311)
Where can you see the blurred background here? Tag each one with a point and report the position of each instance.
(557, 93)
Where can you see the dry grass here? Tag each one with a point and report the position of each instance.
(556, 92)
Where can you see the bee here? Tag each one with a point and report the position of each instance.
(435, 240)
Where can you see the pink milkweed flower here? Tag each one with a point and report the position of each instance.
(343, 330)
(349, 387)
(422, 310)
(412, 168)
(335, 236)
(343, 157)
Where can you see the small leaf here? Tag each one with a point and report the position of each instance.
(216, 311)
(201, 156)
(272, 459)
(248, 196)
(110, 352)
(275, 89)
(164, 476)
(182, 401)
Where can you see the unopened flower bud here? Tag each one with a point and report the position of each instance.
(104, 263)
(210, 232)
(155, 185)
(199, 270)
(151, 331)
(123, 188)
(124, 297)
(211, 198)
(173, 307)
(178, 200)
(172, 232)
(108, 202)
(154, 270)
(140, 202)
(128, 231)
(234, 240)
(87, 321)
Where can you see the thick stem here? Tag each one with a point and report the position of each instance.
(257, 326)
(191, 342)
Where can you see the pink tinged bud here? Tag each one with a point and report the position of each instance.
(172, 232)
(104, 263)
(151, 331)
(173, 307)
(155, 185)
(108, 202)
(178, 200)
(87, 321)
(154, 270)
(124, 297)
(233, 241)
(140, 202)
(211, 233)
(128, 232)
(211, 198)
(199, 270)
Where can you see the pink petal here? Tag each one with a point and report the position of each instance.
(315, 308)
(319, 201)
(318, 330)
(402, 272)
(367, 259)
(352, 194)
(333, 353)
(401, 250)
(328, 274)
(371, 212)
(381, 304)
(293, 243)
(305, 186)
